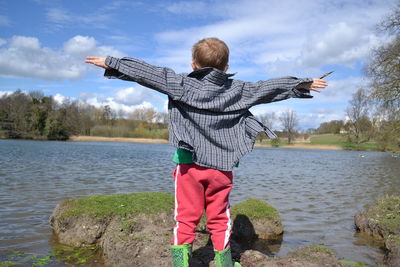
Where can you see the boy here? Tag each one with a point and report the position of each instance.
(212, 128)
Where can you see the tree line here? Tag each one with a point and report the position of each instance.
(36, 116)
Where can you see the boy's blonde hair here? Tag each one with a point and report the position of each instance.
(210, 52)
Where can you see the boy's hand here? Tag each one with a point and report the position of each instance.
(314, 85)
(98, 61)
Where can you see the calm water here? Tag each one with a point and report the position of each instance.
(317, 192)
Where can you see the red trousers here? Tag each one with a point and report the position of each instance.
(197, 189)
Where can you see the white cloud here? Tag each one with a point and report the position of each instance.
(81, 46)
(340, 91)
(23, 42)
(25, 57)
(5, 93)
(281, 36)
(134, 95)
(60, 98)
(2, 42)
(99, 101)
(340, 44)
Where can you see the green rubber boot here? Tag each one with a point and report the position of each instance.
(224, 258)
(181, 255)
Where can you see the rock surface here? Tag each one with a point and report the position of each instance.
(310, 256)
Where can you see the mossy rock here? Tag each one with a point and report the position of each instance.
(131, 229)
(382, 221)
(253, 219)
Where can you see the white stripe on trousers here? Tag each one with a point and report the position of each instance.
(176, 207)
(228, 230)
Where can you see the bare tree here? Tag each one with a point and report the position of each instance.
(384, 71)
(384, 66)
(144, 114)
(289, 122)
(359, 124)
(268, 119)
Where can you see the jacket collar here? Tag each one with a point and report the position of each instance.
(213, 75)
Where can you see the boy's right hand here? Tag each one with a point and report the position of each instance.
(97, 61)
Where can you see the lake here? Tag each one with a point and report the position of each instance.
(317, 192)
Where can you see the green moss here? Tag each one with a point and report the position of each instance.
(352, 263)
(386, 214)
(255, 209)
(319, 248)
(104, 206)
(74, 255)
(8, 263)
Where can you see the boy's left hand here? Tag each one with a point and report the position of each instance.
(314, 85)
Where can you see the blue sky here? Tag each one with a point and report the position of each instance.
(43, 44)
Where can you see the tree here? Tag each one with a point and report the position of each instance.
(144, 114)
(384, 72)
(359, 125)
(333, 127)
(289, 122)
(17, 110)
(268, 119)
(107, 115)
(42, 107)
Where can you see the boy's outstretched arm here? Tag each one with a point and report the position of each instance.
(267, 91)
(161, 79)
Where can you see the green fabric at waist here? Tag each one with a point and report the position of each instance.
(183, 156)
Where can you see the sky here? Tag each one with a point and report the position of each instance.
(43, 44)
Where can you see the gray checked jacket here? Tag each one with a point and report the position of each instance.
(208, 111)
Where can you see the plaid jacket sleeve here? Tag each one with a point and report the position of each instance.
(273, 90)
(163, 80)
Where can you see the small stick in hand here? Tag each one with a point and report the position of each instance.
(326, 74)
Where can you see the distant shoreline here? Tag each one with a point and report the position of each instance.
(305, 146)
(163, 141)
(116, 139)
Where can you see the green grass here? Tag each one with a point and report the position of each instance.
(105, 206)
(328, 139)
(386, 213)
(8, 263)
(255, 209)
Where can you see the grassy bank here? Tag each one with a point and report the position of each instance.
(323, 141)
